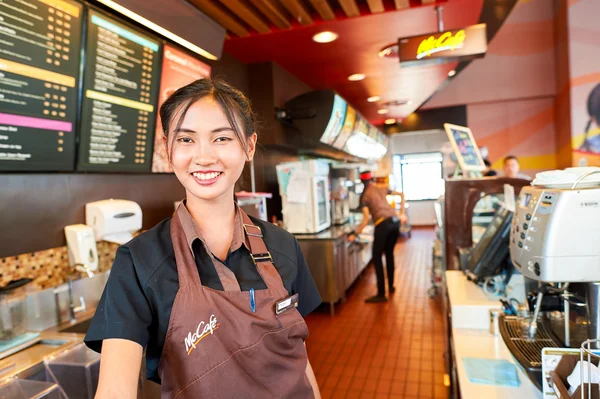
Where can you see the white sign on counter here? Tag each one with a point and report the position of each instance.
(509, 198)
(298, 187)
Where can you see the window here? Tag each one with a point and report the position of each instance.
(418, 176)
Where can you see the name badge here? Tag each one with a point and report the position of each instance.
(287, 303)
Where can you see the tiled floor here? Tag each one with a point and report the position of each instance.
(390, 350)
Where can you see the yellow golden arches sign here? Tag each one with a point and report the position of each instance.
(447, 41)
(453, 45)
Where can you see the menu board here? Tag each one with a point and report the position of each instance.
(465, 148)
(373, 133)
(361, 126)
(178, 70)
(120, 89)
(40, 46)
(347, 128)
(336, 120)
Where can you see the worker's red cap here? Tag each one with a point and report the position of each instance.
(366, 175)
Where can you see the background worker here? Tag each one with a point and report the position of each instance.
(387, 229)
(512, 168)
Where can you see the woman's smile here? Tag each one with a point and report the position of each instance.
(206, 178)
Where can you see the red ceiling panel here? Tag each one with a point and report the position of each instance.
(327, 66)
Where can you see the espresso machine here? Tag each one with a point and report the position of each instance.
(555, 244)
(340, 195)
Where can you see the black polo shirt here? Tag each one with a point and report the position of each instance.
(138, 297)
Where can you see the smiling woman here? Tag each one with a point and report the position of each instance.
(200, 290)
(210, 137)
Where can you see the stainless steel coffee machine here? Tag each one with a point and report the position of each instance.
(340, 195)
(555, 243)
(555, 238)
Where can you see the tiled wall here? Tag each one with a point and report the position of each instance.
(50, 267)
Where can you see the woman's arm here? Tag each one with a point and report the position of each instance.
(119, 369)
(365, 222)
(312, 379)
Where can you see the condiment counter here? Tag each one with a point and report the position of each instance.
(468, 309)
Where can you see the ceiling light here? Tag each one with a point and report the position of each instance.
(382, 111)
(452, 73)
(390, 121)
(373, 99)
(356, 77)
(325, 37)
(158, 29)
(391, 51)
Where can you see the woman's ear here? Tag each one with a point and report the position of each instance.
(251, 147)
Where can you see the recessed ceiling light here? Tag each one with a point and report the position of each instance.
(325, 37)
(390, 121)
(452, 73)
(383, 111)
(373, 99)
(356, 77)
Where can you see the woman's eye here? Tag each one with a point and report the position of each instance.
(185, 140)
(222, 139)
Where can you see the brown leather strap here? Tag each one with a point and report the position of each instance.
(261, 256)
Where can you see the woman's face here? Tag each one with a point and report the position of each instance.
(206, 155)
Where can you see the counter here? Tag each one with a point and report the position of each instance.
(332, 233)
(469, 307)
(335, 263)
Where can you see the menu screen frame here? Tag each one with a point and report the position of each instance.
(189, 67)
(112, 107)
(465, 148)
(336, 121)
(40, 67)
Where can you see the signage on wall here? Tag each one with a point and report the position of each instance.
(39, 70)
(120, 89)
(465, 148)
(452, 45)
(178, 69)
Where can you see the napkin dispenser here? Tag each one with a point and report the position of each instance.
(81, 246)
(113, 220)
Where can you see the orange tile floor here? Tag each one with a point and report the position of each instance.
(385, 350)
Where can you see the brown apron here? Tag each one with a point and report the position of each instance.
(231, 344)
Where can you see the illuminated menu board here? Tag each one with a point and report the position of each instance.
(347, 128)
(336, 121)
(178, 70)
(119, 97)
(40, 42)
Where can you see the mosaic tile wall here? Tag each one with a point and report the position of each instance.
(50, 267)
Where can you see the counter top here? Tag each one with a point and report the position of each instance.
(332, 233)
(469, 305)
(335, 232)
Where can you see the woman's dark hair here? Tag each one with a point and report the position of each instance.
(593, 106)
(235, 105)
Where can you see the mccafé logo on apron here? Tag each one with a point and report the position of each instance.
(203, 331)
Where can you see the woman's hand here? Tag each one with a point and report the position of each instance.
(119, 369)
